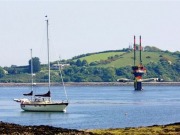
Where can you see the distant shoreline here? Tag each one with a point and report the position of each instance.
(92, 84)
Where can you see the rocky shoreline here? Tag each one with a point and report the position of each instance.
(15, 129)
(92, 84)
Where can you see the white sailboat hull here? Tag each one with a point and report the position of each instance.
(50, 107)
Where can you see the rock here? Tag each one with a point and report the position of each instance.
(15, 129)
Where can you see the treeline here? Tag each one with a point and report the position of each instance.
(82, 71)
(88, 54)
(162, 69)
(74, 73)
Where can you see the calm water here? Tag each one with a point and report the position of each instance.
(98, 107)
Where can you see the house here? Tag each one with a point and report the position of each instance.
(57, 66)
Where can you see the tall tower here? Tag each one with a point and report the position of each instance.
(138, 70)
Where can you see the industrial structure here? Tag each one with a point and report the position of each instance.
(139, 69)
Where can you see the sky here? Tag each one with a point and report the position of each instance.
(84, 26)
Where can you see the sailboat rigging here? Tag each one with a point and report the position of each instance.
(62, 79)
(43, 102)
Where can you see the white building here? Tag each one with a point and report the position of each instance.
(57, 66)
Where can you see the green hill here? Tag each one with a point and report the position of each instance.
(105, 66)
(100, 56)
(126, 58)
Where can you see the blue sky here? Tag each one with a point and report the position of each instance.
(84, 26)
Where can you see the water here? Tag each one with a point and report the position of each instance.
(95, 107)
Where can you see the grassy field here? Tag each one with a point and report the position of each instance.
(147, 57)
(172, 129)
(100, 56)
(126, 58)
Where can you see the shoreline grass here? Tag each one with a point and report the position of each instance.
(170, 129)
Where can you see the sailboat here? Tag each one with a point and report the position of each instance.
(43, 102)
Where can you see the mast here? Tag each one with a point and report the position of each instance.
(134, 50)
(49, 78)
(31, 74)
(49, 81)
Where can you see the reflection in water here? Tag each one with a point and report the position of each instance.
(44, 114)
(43, 118)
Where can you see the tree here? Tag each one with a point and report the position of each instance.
(2, 73)
(78, 63)
(79, 78)
(152, 49)
(108, 74)
(84, 63)
(36, 65)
